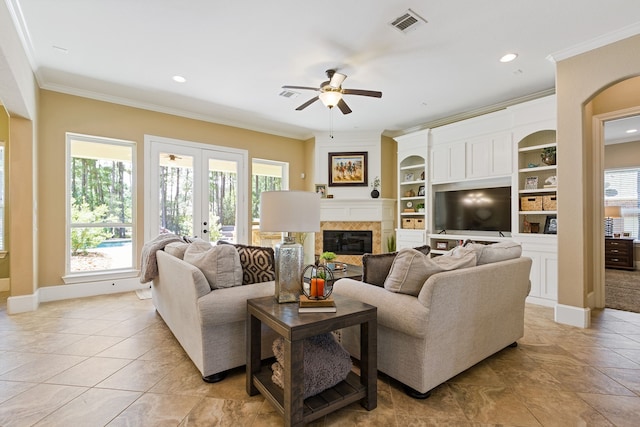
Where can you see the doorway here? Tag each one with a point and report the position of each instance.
(604, 132)
(194, 189)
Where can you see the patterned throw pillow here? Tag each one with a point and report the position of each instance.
(258, 263)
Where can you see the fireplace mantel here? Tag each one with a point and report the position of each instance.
(348, 210)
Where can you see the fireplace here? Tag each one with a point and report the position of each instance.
(347, 242)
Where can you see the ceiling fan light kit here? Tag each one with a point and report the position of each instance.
(331, 98)
(331, 92)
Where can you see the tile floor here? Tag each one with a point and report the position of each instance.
(110, 360)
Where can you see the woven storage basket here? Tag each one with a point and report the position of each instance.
(549, 203)
(408, 223)
(531, 203)
(419, 223)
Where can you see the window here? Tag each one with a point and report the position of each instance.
(266, 175)
(622, 188)
(100, 204)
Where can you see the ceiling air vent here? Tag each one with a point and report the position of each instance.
(289, 94)
(409, 21)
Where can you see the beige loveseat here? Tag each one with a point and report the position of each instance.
(457, 319)
(208, 324)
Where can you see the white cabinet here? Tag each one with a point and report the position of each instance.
(478, 158)
(489, 156)
(448, 163)
(544, 269)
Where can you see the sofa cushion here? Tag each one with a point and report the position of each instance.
(176, 249)
(219, 264)
(496, 252)
(411, 268)
(376, 267)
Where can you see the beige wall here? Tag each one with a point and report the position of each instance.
(4, 136)
(388, 166)
(625, 155)
(61, 113)
(578, 80)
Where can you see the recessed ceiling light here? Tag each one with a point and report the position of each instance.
(179, 79)
(632, 131)
(509, 57)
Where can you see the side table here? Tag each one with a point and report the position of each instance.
(294, 328)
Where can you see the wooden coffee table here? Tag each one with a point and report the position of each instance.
(285, 320)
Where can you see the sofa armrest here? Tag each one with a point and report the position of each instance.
(404, 313)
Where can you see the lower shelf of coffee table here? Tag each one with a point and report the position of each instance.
(344, 393)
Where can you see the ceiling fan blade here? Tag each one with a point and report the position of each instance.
(336, 80)
(300, 87)
(306, 104)
(343, 107)
(373, 93)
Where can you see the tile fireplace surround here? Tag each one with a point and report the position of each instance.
(376, 215)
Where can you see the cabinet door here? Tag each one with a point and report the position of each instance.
(501, 155)
(534, 276)
(457, 162)
(549, 286)
(479, 153)
(440, 164)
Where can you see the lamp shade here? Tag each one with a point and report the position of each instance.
(289, 211)
(612, 212)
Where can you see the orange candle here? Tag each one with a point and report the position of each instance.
(317, 287)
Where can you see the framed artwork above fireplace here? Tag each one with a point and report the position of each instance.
(348, 169)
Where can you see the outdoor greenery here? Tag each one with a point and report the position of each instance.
(262, 183)
(100, 202)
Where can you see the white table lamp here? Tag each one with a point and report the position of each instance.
(610, 212)
(289, 212)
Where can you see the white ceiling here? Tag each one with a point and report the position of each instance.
(236, 55)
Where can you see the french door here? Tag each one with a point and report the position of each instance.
(195, 190)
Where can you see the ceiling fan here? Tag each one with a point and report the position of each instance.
(331, 92)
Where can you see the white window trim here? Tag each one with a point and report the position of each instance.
(91, 276)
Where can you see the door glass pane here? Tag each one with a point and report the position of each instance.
(176, 194)
(223, 200)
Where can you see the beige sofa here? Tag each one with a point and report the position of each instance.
(459, 318)
(208, 324)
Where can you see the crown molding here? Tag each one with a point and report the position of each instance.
(603, 40)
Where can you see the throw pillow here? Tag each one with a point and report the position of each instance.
(411, 269)
(219, 264)
(375, 268)
(176, 249)
(258, 263)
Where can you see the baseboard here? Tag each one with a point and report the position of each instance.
(24, 303)
(540, 301)
(5, 285)
(574, 316)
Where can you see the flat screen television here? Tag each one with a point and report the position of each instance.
(481, 209)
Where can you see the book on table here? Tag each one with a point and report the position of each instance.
(309, 305)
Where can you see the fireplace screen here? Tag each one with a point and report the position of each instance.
(344, 242)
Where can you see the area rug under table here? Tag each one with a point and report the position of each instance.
(622, 290)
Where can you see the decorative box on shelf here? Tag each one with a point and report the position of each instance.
(408, 223)
(531, 203)
(549, 202)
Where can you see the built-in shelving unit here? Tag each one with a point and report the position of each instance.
(537, 198)
(413, 187)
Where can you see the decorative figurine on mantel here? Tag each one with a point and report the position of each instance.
(376, 183)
